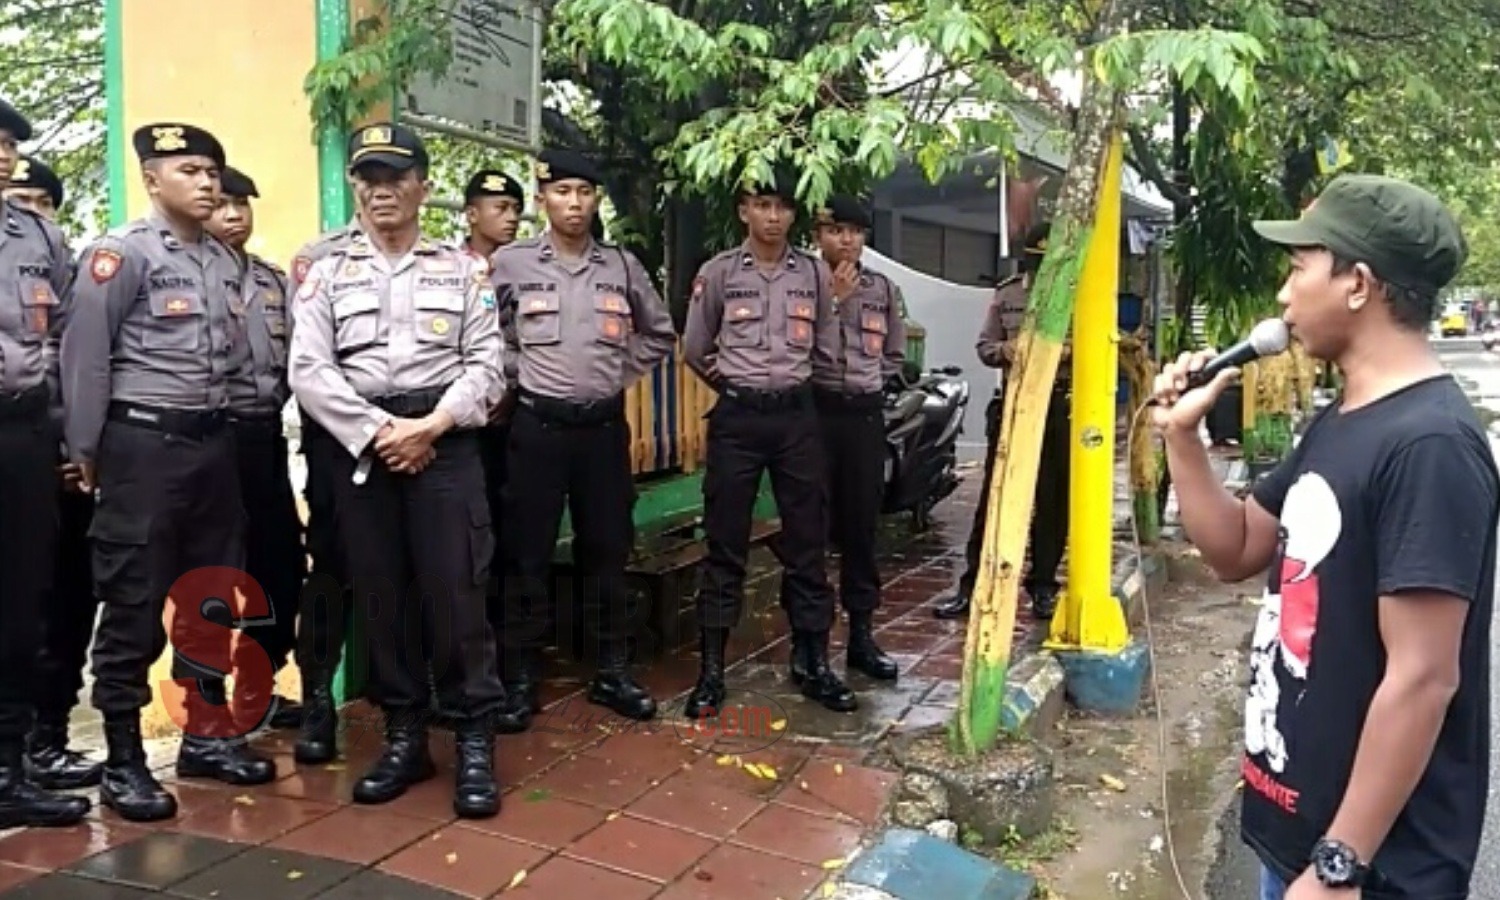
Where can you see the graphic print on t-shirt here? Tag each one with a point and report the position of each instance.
(1281, 649)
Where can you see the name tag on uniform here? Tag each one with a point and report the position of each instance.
(538, 304)
(177, 306)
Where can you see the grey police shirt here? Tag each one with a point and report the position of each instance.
(761, 329)
(367, 327)
(36, 271)
(873, 337)
(155, 322)
(260, 387)
(578, 330)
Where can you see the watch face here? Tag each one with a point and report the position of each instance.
(1335, 865)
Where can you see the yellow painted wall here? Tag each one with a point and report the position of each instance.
(235, 68)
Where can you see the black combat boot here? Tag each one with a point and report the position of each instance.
(614, 689)
(864, 655)
(523, 690)
(1043, 602)
(228, 759)
(819, 682)
(707, 696)
(318, 741)
(953, 607)
(476, 795)
(49, 762)
(286, 714)
(127, 785)
(405, 762)
(23, 804)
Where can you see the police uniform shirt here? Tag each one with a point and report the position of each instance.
(1002, 325)
(578, 330)
(764, 330)
(36, 271)
(154, 322)
(261, 386)
(368, 327)
(874, 337)
(320, 247)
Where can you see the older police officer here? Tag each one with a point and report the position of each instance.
(395, 351)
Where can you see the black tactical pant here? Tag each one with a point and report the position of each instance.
(28, 527)
(273, 537)
(69, 613)
(750, 434)
(494, 441)
(853, 430)
(1049, 519)
(326, 598)
(578, 455)
(419, 548)
(168, 508)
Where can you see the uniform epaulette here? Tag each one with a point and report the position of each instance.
(266, 263)
(733, 253)
(136, 227)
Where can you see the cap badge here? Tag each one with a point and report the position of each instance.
(377, 134)
(543, 171)
(22, 171)
(168, 138)
(495, 183)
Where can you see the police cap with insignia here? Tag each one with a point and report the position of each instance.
(12, 121)
(493, 183)
(162, 140)
(32, 173)
(565, 165)
(843, 209)
(387, 144)
(234, 183)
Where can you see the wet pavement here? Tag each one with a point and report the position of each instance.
(594, 806)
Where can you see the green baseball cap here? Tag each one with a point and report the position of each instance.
(1403, 233)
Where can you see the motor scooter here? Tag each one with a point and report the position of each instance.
(923, 419)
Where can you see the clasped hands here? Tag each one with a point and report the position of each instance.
(405, 445)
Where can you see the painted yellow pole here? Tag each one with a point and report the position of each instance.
(1089, 616)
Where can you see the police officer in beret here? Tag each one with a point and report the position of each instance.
(493, 202)
(70, 608)
(147, 360)
(583, 322)
(851, 410)
(761, 318)
(257, 393)
(395, 352)
(35, 273)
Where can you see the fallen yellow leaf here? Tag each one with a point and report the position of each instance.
(516, 879)
(334, 767)
(452, 858)
(612, 816)
(1112, 782)
(724, 760)
(804, 786)
(779, 725)
(245, 800)
(830, 864)
(838, 768)
(293, 875)
(828, 889)
(754, 769)
(768, 771)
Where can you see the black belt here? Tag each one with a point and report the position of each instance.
(799, 397)
(196, 424)
(573, 413)
(412, 404)
(837, 401)
(24, 404)
(256, 424)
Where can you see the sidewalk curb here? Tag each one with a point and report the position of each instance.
(904, 864)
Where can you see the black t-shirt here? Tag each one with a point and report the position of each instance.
(1398, 495)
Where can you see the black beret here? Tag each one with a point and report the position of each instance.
(14, 122)
(33, 173)
(782, 185)
(493, 183)
(843, 209)
(235, 183)
(164, 139)
(388, 144)
(561, 165)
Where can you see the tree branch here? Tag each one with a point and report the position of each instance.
(1145, 161)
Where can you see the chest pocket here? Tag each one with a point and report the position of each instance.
(176, 321)
(612, 319)
(356, 320)
(872, 331)
(744, 323)
(800, 315)
(38, 305)
(440, 316)
(539, 319)
(273, 313)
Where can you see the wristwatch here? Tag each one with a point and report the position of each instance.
(1337, 865)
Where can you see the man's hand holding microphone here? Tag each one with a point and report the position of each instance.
(1187, 389)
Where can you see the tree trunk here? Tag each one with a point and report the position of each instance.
(1028, 391)
(1140, 372)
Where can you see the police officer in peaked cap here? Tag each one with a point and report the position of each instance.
(35, 273)
(147, 362)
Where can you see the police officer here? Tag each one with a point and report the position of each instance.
(273, 547)
(492, 207)
(69, 611)
(1049, 522)
(851, 406)
(760, 319)
(35, 273)
(146, 361)
(323, 611)
(583, 323)
(395, 352)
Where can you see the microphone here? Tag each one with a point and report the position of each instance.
(1268, 338)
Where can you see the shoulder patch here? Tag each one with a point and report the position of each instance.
(699, 284)
(103, 264)
(309, 288)
(300, 265)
